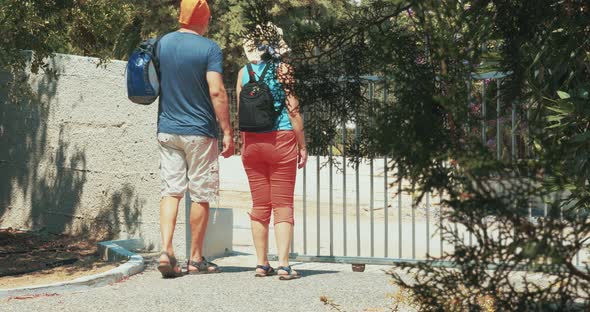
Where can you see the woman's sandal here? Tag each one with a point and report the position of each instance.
(268, 271)
(203, 267)
(168, 269)
(289, 276)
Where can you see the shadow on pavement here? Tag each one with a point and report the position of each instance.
(305, 273)
(235, 269)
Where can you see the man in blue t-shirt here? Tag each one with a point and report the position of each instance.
(192, 101)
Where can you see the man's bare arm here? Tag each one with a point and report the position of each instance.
(221, 107)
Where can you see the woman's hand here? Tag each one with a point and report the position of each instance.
(302, 157)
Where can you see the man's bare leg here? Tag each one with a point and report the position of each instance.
(199, 219)
(168, 214)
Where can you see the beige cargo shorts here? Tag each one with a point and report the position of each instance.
(189, 161)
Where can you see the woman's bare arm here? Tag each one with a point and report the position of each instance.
(239, 88)
(292, 102)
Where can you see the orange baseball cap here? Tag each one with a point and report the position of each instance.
(194, 12)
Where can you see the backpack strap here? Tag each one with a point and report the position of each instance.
(157, 56)
(264, 71)
(284, 104)
(251, 73)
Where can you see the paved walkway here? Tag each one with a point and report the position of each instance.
(234, 290)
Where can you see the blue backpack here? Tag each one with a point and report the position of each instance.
(143, 73)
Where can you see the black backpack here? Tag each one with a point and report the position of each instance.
(257, 108)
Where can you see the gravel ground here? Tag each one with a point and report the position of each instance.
(234, 290)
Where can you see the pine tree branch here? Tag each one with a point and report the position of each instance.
(341, 42)
(576, 272)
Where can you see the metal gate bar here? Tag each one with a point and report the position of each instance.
(344, 234)
(399, 213)
(440, 220)
(331, 161)
(304, 204)
(385, 187)
(318, 226)
(371, 173)
(469, 103)
(498, 123)
(358, 199)
(428, 223)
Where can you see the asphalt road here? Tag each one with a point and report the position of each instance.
(234, 290)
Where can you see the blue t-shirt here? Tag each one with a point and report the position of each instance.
(278, 93)
(185, 103)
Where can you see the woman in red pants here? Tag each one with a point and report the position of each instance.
(271, 160)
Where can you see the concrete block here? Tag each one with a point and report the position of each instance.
(219, 237)
(119, 250)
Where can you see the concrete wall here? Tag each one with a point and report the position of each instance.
(76, 156)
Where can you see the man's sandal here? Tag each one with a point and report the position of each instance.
(203, 267)
(289, 276)
(168, 269)
(268, 271)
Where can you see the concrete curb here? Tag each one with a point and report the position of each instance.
(111, 251)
